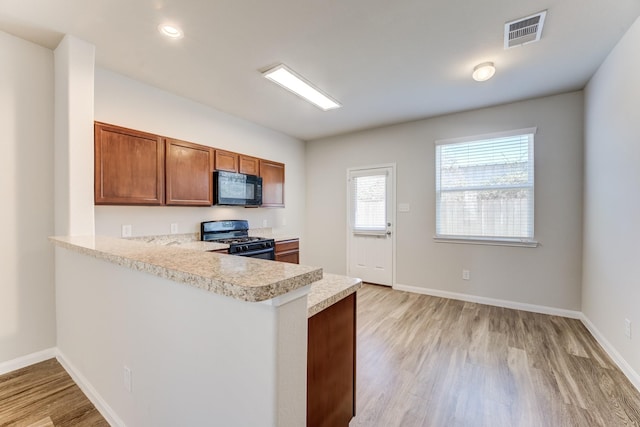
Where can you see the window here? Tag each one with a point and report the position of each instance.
(485, 188)
(369, 194)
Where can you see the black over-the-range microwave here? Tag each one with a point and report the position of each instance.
(236, 189)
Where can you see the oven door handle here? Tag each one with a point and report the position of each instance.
(255, 252)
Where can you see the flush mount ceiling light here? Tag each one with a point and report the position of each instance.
(285, 77)
(170, 31)
(484, 71)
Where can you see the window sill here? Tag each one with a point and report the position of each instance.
(490, 242)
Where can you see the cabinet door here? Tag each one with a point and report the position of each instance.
(189, 171)
(272, 174)
(331, 365)
(288, 251)
(226, 161)
(249, 165)
(290, 257)
(129, 166)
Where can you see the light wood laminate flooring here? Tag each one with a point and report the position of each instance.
(422, 361)
(427, 361)
(44, 395)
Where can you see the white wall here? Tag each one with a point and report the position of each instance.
(27, 310)
(125, 102)
(548, 275)
(611, 288)
(74, 61)
(196, 358)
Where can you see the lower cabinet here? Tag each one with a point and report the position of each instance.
(331, 365)
(288, 251)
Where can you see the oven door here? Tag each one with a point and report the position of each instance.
(267, 253)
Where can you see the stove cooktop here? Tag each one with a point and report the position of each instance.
(237, 240)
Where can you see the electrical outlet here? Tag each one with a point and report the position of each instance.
(264, 223)
(466, 275)
(174, 228)
(126, 230)
(627, 328)
(128, 379)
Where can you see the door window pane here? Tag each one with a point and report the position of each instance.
(369, 202)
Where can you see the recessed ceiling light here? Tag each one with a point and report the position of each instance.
(288, 79)
(170, 31)
(484, 71)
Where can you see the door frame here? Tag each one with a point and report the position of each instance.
(394, 227)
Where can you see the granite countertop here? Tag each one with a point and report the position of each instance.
(192, 240)
(183, 258)
(246, 279)
(329, 290)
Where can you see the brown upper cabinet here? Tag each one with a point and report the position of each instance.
(139, 168)
(226, 161)
(189, 173)
(272, 174)
(234, 162)
(249, 165)
(129, 166)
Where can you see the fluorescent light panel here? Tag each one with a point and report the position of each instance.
(289, 80)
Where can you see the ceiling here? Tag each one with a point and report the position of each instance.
(386, 62)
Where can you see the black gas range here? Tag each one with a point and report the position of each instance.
(235, 233)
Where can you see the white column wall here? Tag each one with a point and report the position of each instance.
(74, 76)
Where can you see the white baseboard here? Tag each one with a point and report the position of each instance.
(101, 405)
(491, 301)
(28, 360)
(628, 371)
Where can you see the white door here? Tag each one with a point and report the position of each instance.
(370, 224)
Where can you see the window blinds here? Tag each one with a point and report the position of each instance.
(485, 188)
(369, 203)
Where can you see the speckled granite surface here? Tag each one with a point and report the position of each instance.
(192, 240)
(246, 279)
(328, 291)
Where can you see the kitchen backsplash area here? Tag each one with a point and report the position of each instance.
(163, 220)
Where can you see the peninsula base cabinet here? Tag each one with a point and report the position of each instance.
(331, 365)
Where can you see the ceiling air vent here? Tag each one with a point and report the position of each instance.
(524, 30)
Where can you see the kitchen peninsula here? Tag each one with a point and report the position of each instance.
(195, 335)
